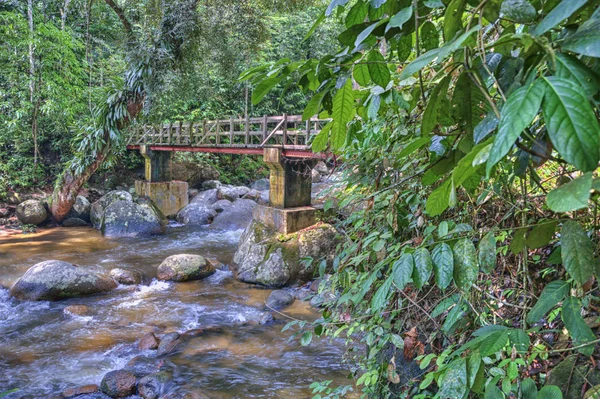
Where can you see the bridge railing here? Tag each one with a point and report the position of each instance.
(287, 131)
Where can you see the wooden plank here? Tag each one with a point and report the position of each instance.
(285, 127)
(218, 127)
(273, 132)
(264, 128)
(247, 131)
(231, 130)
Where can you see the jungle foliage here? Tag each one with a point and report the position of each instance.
(469, 132)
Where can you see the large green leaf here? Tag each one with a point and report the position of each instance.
(378, 69)
(493, 343)
(402, 270)
(552, 294)
(320, 141)
(454, 383)
(263, 88)
(571, 196)
(404, 48)
(487, 253)
(357, 14)
(518, 112)
(519, 340)
(333, 5)
(586, 40)
(430, 37)
(380, 297)
(577, 252)
(520, 11)
(529, 389)
(541, 234)
(423, 267)
(453, 18)
(313, 106)
(562, 11)
(465, 264)
(361, 74)
(550, 392)
(579, 331)
(443, 265)
(439, 199)
(493, 392)
(570, 68)
(400, 18)
(467, 103)
(362, 36)
(571, 123)
(431, 112)
(343, 111)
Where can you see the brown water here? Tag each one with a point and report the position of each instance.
(43, 350)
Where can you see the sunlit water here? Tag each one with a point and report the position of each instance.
(44, 350)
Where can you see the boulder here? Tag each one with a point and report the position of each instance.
(32, 212)
(265, 198)
(193, 173)
(74, 222)
(167, 343)
(321, 168)
(232, 193)
(143, 365)
(78, 391)
(196, 214)
(206, 198)
(253, 194)
(126, 277)
(192, 192)
(97, 209)
(261, 185)
(148, 342)
(130, 219)
(237, 216)
(53, 280)
(268, 258)
(81, 209)
(118, 383)
(184, 267)
(211, 184)
(154, 385)
(220, 205)
(279, 299)
(316, 176)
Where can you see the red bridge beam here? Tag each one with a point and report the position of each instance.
(289, 153)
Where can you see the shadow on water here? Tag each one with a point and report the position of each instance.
(44, 350)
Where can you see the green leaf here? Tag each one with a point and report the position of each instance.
(378, 69)
(493, 392)
(519, 241)
(419, 63)
(487, 253)
(413, 146)
(423, 267)
(485, 127)
(465, 264)
(467, 102)
(493, 343)
(361, 74)
(529, 389)
(518, 112)
(570, 68)
(541, 234)
(263, 88)
(454, 383)
(453, 18)
(313, 106)
(400, 18)
(550, 392)
(579, 331)
(430, 37)
(552, 294)
(357, 14)
(519, 340)
(404, 49)
(306, 338)
(586, 41)
(367, 32)
(402, 270)
(571, 196)
(577, 252)
(343, 110)
(380, 297)
(320, 141)
(439, 200)
(520, 11)
(562, 11)
(431, 112)
(333, 5)
(443, 265)
(571, 123)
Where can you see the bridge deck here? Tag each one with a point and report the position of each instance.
(232, 136)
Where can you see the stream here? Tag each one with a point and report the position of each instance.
(45, 350)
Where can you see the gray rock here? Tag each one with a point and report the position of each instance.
(196, 214)
(32, 212)
(232, 193)
(206, 198)
(265, 198)
(266, 318)
(98, 208)
(220, 205)
(118, 383)
(53, 280)
(143, 365)
(74, 222)
(237, 216)
(130, 219)
(81, 209)
(264, 258)
(126, 277)
(192, 192)
(211, 184)
(321, 168)
(148, 342)
(261, 185)
(184, 267)
(154, 385)
(96, 395)
(279, 299)
(253, 194)
(167, 343)
(316, 176)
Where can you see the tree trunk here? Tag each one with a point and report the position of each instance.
(63, 14)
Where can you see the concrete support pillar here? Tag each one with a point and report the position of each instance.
(291, 180)
(158, 164)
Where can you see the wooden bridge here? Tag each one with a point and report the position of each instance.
(232, 136)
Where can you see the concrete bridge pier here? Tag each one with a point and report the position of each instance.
(169, 196)
(290, 193)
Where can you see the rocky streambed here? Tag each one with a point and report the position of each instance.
(211, 337)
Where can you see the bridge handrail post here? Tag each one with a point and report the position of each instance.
(178, 133)
(247, 130)
(218, 132)
(285, 130)
(265, 131)
(231, 131)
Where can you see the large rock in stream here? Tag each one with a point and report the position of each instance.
(81, 209)
(32, 212)
(97, 209)
(54, 280)
(131, 219)
(184, 267)
(236, 216)
(268, 258)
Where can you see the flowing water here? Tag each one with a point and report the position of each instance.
(44, 350)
